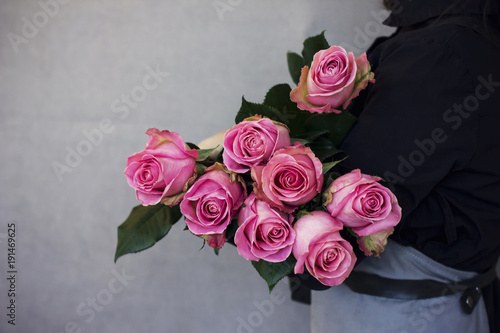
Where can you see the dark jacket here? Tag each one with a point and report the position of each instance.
(430, 126)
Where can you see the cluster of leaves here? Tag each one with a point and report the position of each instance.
(323, 133)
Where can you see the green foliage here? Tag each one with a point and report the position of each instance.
(295, 64)
(272, 272)
(322, 132)
(200, 168)
(313, 45)
(337, 125)
(145, 226)
(231, 229)
(278, 97)
(192, 145)
(328, 166)
(203, 154)
(249, 109)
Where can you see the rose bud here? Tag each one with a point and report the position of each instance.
(374, 243)
(215, 241)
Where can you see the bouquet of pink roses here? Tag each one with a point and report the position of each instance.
(267, 185)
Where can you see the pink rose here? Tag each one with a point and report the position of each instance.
(292, 177)
(213, 201)
(264, 232)
(319, 246)
(163, 171)
(252, 142)
(335, 78)
(361, 203)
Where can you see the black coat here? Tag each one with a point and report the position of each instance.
(430, 126)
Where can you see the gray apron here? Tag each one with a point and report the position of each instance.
(339, 309)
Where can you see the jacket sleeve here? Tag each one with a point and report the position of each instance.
(414, 129)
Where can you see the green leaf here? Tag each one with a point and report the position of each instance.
(329, 180)
(272, 273)
(192, 145)
(249, 109)
(313, 135)
(323, 148)
(338, 125)
(295, 64)
(301, 213)
(300, 140)
(145, 226)
(327, 166)
(203, 154)
(278, 97)
(341, 126)
(200, 168)
(313, 45)
(297, 122)
(231, 229)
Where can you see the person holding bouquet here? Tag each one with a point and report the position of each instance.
(429, 128)
(402, 221)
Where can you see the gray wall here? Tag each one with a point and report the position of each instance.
(66, 69)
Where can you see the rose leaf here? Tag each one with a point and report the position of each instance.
(272, 273)
(278, 97)
(145, 226)
(204, 154)
(295, 64)
(328, 166)
(249, 109)
(313, 45)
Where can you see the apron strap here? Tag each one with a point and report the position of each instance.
(374, 285)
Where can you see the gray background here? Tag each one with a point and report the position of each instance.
(63, 71)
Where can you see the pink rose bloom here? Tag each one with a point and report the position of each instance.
(335, 78)
(163, 171)
(292, 177)
(264, 232)
(361, 203)
(319, 246)
(252, 142)
(213, 201)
